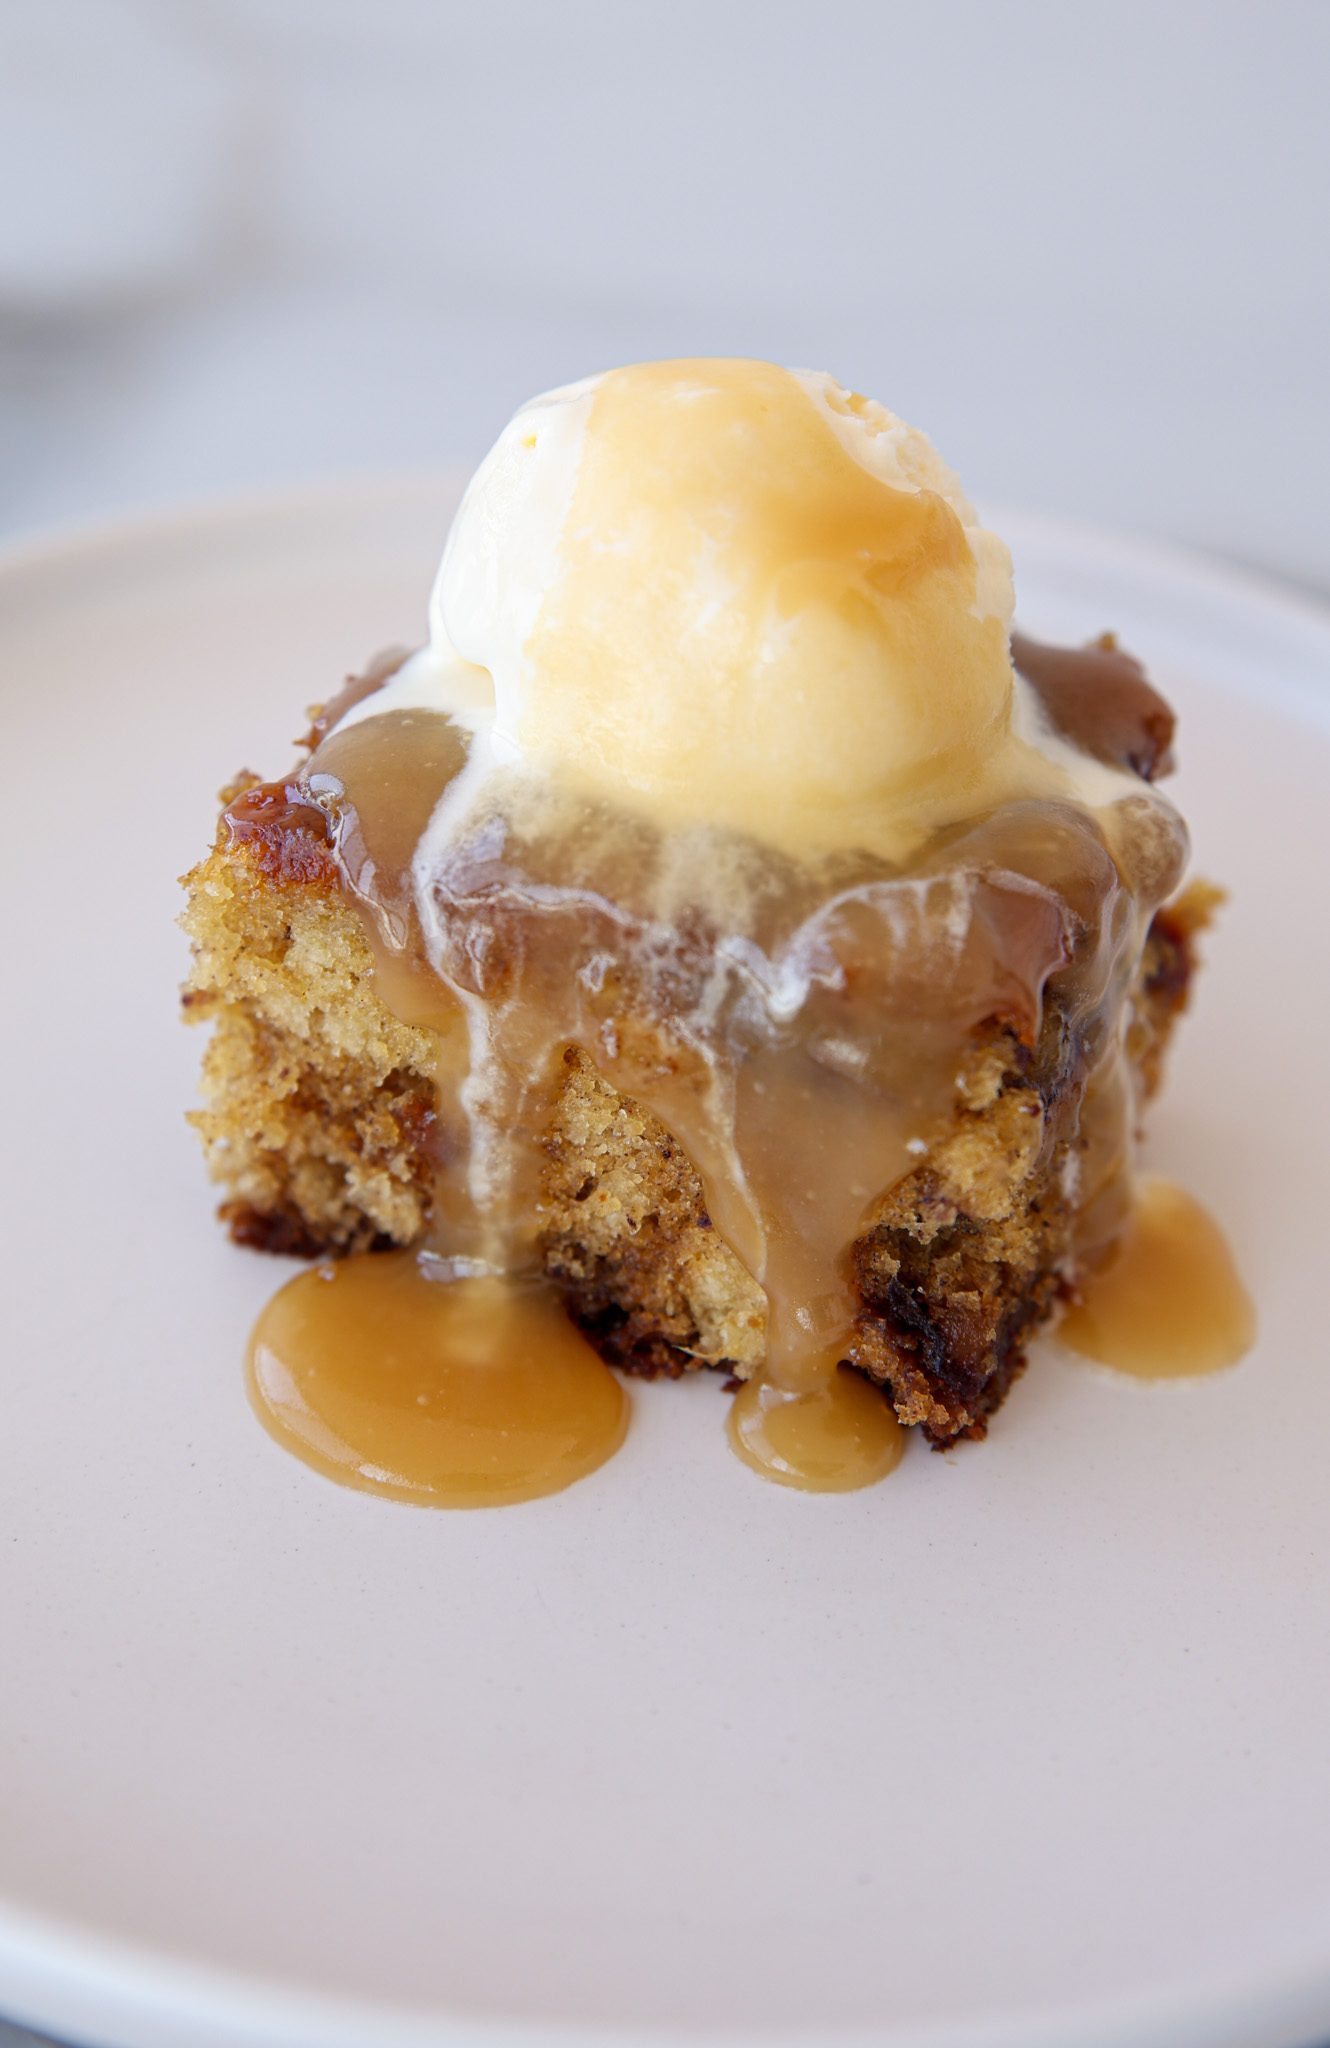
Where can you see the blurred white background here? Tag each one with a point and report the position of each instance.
(249, 242)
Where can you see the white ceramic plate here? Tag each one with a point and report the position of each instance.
(1027, 1746)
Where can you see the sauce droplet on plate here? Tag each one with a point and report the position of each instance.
(1169, 1303)
(833, 1435)
(448, 1392)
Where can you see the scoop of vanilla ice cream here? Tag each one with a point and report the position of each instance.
(731, 594)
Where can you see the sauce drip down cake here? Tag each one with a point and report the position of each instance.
(723, 945)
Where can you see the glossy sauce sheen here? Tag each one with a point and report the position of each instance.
(833, 1436)
(577, 926)
(1168, 1303)
(794, 1025)
(448, 1391)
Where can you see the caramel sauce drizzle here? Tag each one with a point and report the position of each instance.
(393, 1374)
(795, 1027)
(833, 1434)
(1167, 1303)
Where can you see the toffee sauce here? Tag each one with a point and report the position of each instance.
(795, 1026)
(1168, 1302)
(393, 1373)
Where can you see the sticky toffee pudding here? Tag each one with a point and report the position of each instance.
(724, 945)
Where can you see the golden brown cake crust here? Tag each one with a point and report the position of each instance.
(318, 1102)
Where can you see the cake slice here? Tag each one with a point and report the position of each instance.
(319, 1119)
